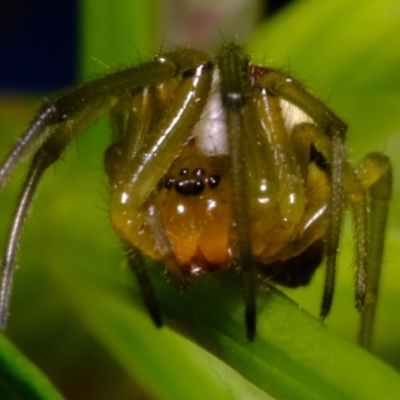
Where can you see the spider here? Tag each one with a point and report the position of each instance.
(217, 163)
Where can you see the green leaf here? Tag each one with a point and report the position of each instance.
(20, 379)
(116, 34)
(294, 355)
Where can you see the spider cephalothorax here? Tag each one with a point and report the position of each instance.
(217, 162)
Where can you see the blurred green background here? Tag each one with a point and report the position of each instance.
(346, 51)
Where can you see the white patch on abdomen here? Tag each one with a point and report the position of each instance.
(293, 115)
(210, 132)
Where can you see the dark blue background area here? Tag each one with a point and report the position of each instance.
(38, 43)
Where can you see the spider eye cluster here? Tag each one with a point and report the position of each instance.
(192, 182)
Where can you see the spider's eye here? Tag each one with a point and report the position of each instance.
(213, 181)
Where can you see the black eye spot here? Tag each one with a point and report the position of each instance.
(199, 172)
(184, 171)
(189, 187)
(213, 181)
(198, 187)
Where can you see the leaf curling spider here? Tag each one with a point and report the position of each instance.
(217, 162)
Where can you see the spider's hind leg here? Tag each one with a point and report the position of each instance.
(375, 173)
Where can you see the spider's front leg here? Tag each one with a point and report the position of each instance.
(235, 89)
(61, 120)
(48, 153)
(160, 123)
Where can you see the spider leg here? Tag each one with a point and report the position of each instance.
(137, 265)
(302, 137)
(46, 155)
(376, 174)
(143, 170)
(356, 194)
(234, 87)
(89, 101)
(61, 120)
(144, 150)
(284, 86)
